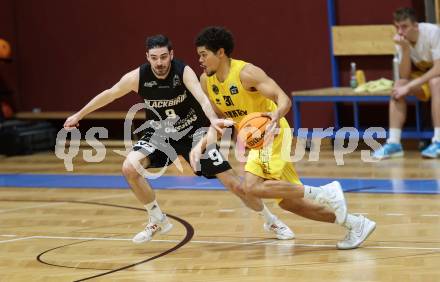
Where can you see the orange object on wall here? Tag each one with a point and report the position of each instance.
(5, 49)
(6, 110)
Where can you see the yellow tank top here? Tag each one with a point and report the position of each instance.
(233, 99)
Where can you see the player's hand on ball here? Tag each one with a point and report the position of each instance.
(271, 129)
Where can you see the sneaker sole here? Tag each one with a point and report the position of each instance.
(279, 237)
(372, 227)
(429, 156)
(162, 231)
(392, 156)
(141, 242)
(166, 230)
(286, 238)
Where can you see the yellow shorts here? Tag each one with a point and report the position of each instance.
(273, 161)
(425, 87)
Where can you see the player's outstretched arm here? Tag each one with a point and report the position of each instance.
(129, 82)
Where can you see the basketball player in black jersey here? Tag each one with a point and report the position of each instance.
(177, 110)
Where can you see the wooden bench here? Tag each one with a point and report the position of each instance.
(346, 94)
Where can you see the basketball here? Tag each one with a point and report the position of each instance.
(5, 49)
(251, 130)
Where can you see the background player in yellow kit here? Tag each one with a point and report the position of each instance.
(238, 88)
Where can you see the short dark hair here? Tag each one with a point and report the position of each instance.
(158, 41)
(214, 38)
(403, 14)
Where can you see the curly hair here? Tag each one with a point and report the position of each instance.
(215, 37)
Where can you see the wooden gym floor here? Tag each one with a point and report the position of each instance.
(79, 234)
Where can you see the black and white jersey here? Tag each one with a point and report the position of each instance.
(175, 122)
(169, 100)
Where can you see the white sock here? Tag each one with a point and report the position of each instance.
(311, 192)
(395, 135)
(268, 216)
(436, 137)
(154, 211)
(350, 221)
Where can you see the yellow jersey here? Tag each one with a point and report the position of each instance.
(233, 99)
(272, 161)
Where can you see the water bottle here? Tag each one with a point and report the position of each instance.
(353, 81)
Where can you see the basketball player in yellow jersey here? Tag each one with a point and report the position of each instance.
(238, 88)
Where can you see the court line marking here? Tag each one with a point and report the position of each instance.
(59, 203)
(226, 210)
(30, 207)
(259, 242)
(365, 213)
(16, 239)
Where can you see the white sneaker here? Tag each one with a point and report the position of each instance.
(358, 234)
(153, 227)
(332, 196)
(281, 230)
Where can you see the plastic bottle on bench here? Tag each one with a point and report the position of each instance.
(353, 80)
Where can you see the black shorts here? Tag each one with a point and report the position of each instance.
(163, 154)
